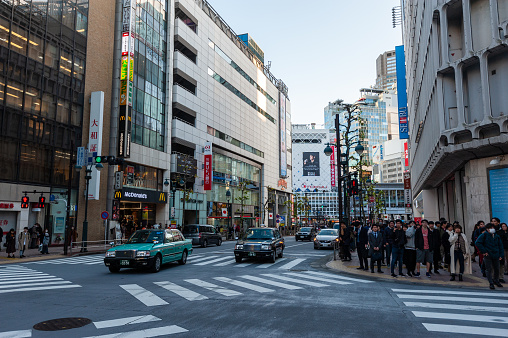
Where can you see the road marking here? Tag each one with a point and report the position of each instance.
(455, 299)
(194, 257)
(22, 279)
(42, 288)
(31, 281)
(266, 266)
(297, 281)
(321, 279)
(290, 246)
(455, 329)
(313, 255)
(457, 307)
(16, 334)
(225, 263)
(291, 264)
(270, 282)
(155, 332)
(212, 261)
(144, 296)
(454, 316)
(244, 285)
(329, 275)
(21, 274)
(181, 291)
(202, 259)
(462, 293)
(125, 321)
(32, 284)
(213, 287)
(242, 265)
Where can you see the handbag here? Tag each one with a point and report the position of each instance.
(40, 247)
(377, 256)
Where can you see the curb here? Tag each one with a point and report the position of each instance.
(6, 261)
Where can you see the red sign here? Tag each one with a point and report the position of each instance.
(406, 154)
(283, 184)
(6, 205)
(208, 166)
(332, 164)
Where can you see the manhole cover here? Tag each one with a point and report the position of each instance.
(62, 324)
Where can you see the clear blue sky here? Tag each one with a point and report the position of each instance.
(323, 49)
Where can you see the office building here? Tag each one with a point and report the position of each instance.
(386, 75)
(457, 66)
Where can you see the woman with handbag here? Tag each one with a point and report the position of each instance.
(460, 253)
(11, 243)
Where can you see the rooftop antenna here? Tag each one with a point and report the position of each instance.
(268, 65)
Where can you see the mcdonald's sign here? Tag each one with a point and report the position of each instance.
(162, 197)
(118, 194)
(141, 195)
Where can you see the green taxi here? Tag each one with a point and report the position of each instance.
(149, 249)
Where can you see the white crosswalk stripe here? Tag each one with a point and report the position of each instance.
(213, 261)
(225, 263)
(459, 309)
(269, 265)
(296, 281)
(143, 295)
(22, 279)
(125, 321)
(85, 260)
(16, 334)
(333, 276)
(291, 264)
(181, 291)
(215, 288)
(271, 282)
(153, 332)
(244, 285)
(202, 259)
(321, 279)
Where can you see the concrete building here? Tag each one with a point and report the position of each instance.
(386, 75)
(457, 66)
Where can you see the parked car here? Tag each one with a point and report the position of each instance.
(201, 234)
(307, 233)
(260, 243)
(149, 249)
(326, 238)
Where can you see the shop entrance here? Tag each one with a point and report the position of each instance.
(137, 216)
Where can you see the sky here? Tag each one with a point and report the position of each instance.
(323, 50)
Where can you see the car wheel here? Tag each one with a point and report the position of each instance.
(274, 256)
(114, 269)
(205, 243)
(219, 242)
(281, 253)
(238, 259)
(183, 260)
(157, 263)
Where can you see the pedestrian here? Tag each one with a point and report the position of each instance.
(497, 223)
(445, 241)
(424, 243)
(460, 253)
(10, 240)
(376, 241)
(503, 233)
(389, 241)
(481, 230)
(34, 237)
(398, 242)
(45, 242)
(345, 241)
(489, 244)
(23, 242)
(38, 228)
(410, 249)
(1, 238)
(363, 245)
(436, 250)
(74, 236)
(473, 239)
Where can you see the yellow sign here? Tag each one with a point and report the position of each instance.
(162, 197)
(123, 93)
(124, 70)
(131, 69)
(118, 194)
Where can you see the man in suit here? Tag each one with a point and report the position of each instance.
(376, 242)
(362, 247)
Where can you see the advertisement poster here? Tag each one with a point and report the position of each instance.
(311, 164)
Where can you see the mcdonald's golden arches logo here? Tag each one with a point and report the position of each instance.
(162, 197)
(118, 194)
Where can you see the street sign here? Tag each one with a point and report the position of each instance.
(104, 215)
(118, 180)
(173, 213)
(80, 158)
(224, 212)
(270, 215)
(277, 221)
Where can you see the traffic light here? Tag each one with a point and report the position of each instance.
(354, 187)
(24, 202)
(111, 160)
(42, 200)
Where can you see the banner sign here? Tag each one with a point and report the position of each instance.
(95, 140)
(498, 193)
(406, 155)
(282, 136)
(311, 164)
(401, 92)
(208, 166)
(407, 180)
(141, 195)
(332, 165)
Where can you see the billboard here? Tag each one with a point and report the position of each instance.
(311, 164)
(282, 136)
(400, 62)
(498, 192)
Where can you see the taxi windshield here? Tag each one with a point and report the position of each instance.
(259, 234)
(146, 236)
(328, 232)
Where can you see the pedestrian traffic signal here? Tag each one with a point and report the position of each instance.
(42, 200)
(24, 202)
(354, 187)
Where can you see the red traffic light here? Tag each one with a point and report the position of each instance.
(24, 202)
(42, 200)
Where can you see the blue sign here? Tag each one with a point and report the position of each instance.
(104, 215)
(400, 62)
(498, 184)
(80, 158)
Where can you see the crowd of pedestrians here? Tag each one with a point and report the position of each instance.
(440, 247)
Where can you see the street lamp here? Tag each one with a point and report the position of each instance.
(359, 150)
(328, 152)
(88, 177)
(228, 198)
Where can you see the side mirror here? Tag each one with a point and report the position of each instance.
(112, 243)
(155, 242)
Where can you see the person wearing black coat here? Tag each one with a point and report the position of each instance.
(436, 252)
(10, 240)
(446, 243)
(376, 242)
(424, 243)
(345, 241)
(363, 244)
(398, 242)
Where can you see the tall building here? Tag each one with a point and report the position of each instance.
(386, 74)
(457, 66)
(332, 109)
(167, 81)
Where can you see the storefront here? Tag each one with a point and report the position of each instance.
(12, 216)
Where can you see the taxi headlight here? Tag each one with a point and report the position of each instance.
(143, 254)
(265, 247)
(110, 253)
(239, 247)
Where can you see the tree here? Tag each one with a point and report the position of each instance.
(185, 174)
(244, 196)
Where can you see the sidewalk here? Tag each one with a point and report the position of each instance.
(33, 255)
(442, 279)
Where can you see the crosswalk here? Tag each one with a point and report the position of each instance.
(115, 324)
(224, 260)
(459, 312)
(17, 278)
(83, 260)
(195, 289)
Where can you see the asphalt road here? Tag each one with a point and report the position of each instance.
(212, 296)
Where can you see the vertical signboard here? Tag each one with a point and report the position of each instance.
(407, 192)
(332, 166)
(401, 92)
(498, 193)
(126, 78)
(95, 140)
(406, 155)
(282, 136)
(208, 166)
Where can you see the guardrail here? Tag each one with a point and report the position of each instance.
(94, 246)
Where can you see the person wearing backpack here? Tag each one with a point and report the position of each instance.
(489, 244)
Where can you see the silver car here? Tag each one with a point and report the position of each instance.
(326, 238)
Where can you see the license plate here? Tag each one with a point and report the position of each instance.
(252, 254)
(124, 262)
(301, 236)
